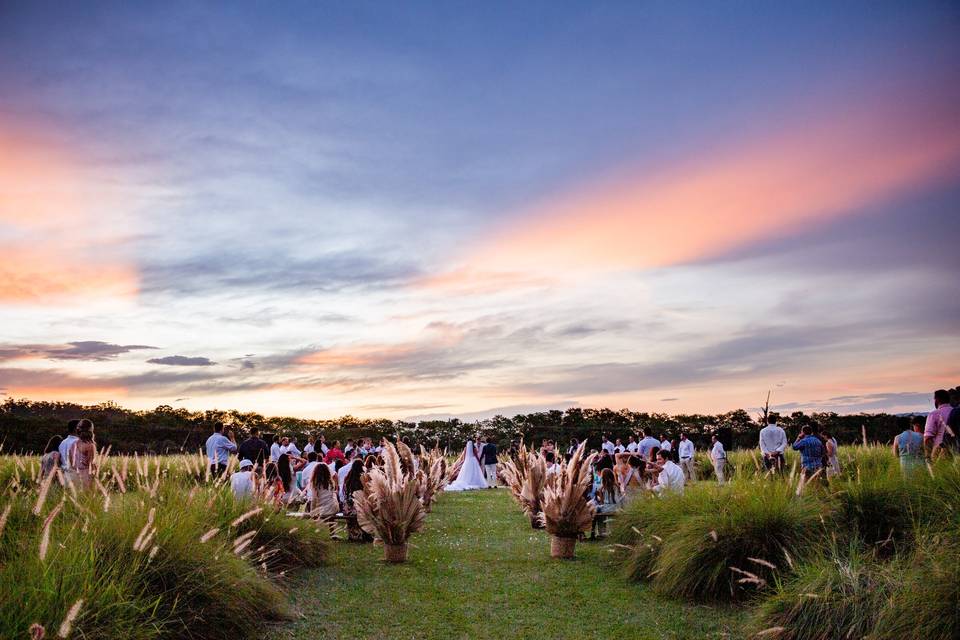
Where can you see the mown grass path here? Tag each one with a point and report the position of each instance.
(479, 571)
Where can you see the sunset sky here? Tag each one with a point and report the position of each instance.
(452, 208)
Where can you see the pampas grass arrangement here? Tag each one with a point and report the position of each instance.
(526, 477)
(567, 509)
(431, 477)
(388, 506)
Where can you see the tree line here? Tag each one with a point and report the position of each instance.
(27, 425)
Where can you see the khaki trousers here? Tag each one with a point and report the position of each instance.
(491, 472)
(689, 470)
(718, 467)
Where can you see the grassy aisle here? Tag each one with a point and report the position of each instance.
(479, 571)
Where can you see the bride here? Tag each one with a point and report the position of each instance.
(470, 476)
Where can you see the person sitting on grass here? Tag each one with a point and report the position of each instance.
(671, 478)
(334, 453)
(51, 457)
(322, 493)
(609, 499)
(552, 466)
(908, 446)
(273, 486)
(285, 473)
(243, 482)
(633, 480)
(811, 452)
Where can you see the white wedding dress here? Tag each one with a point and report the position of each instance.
(470, 476)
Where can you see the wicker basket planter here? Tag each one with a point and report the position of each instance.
(562, 547)
(395, 552)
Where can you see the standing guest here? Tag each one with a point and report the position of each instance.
(908, 446)
(322, 447)
(719, 458)
(671, 478)
(811, 451)
(310, 446)
(66, 448)
(254, 449)
(322, 493)
(51, 456)
(275, 449)
(291, 448)
(219, 448)
(773, 442)
(347, 450)
(242, 482)
(936, 426)
(618, 447)
(574, 445)
(646, 445)
(84, 453)
(334, 453)
(608, 446)
(665, 444)
(631, 444)
(832, 462)
(675, 450)
(686, 451)
(488, 458)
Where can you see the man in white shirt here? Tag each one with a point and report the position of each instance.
(665, 444)
(66, 447)
(275, 449)
(242, 481)
(646, 445)
(323, 448)
(719, 457)
(618, 447)
(307, 473)
(773, 442)
(607, 446)
(309, 447)
(686, 451)
(291, 448)
(632, 445)
(670, 479)
(552, 466)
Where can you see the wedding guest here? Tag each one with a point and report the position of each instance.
(285, 473)
(936, 426)
(773, 442)
(631, 444)
(334, 453)
(646, 444)
(309, 469)
(219, 448)
(811, 451)
(273, 485)
(322, 447)
(66, 448)
(254, 449)
(84, 453)
(908, 446)
(832, 462)
(310, 446)
(322, 493)
(605, 461)
(633, 480)
(291, 448)
(51, 456)
(608, 499)
(607, 446)
(719, 458)
(356, 466)
(687, 463)
(618, 447)
(275, 449)
(242, 482)
(552, 466)
(671, 478)
(665, 444)
(574, 445)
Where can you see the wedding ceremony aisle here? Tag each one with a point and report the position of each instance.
(478, 570)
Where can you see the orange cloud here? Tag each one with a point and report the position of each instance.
(46, 210)
(79, 393)
(357, 356)
(766, 187)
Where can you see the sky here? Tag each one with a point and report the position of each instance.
(461, 209)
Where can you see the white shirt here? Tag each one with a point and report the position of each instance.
(291, 449)
(307, 473)
(618, 448)
(666, 446)
(308, 449)
(773, 439)
(686, 449)
(717, 452)
(242, 484)
(342, 476)
(632, 447)
(275, 451)
(554, 468)
(670, 479)
(646, 445)
(65, 452)
(324, 448)
(608, 447)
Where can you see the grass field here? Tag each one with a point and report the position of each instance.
(479, 571)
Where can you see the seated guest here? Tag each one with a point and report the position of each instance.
(309, 469)
(51, 456)
(334, 453)
(285, 472)
(243, 482)
(552, 466)
(356, 466)
(671, 478)
(322, 493)
(633, 480)
(273, 486)
(605, 461)
(608, 499)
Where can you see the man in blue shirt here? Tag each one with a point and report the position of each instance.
(811, 452)
(219, 448)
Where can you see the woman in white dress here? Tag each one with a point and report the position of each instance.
(470, 476)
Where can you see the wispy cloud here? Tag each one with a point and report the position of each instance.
(81, 350)
(183, 361)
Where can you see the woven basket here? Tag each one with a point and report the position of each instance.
(395, 552)
(562, 547)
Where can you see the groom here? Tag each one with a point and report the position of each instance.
(488, 458)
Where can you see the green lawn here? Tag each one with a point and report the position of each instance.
(477, 570)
